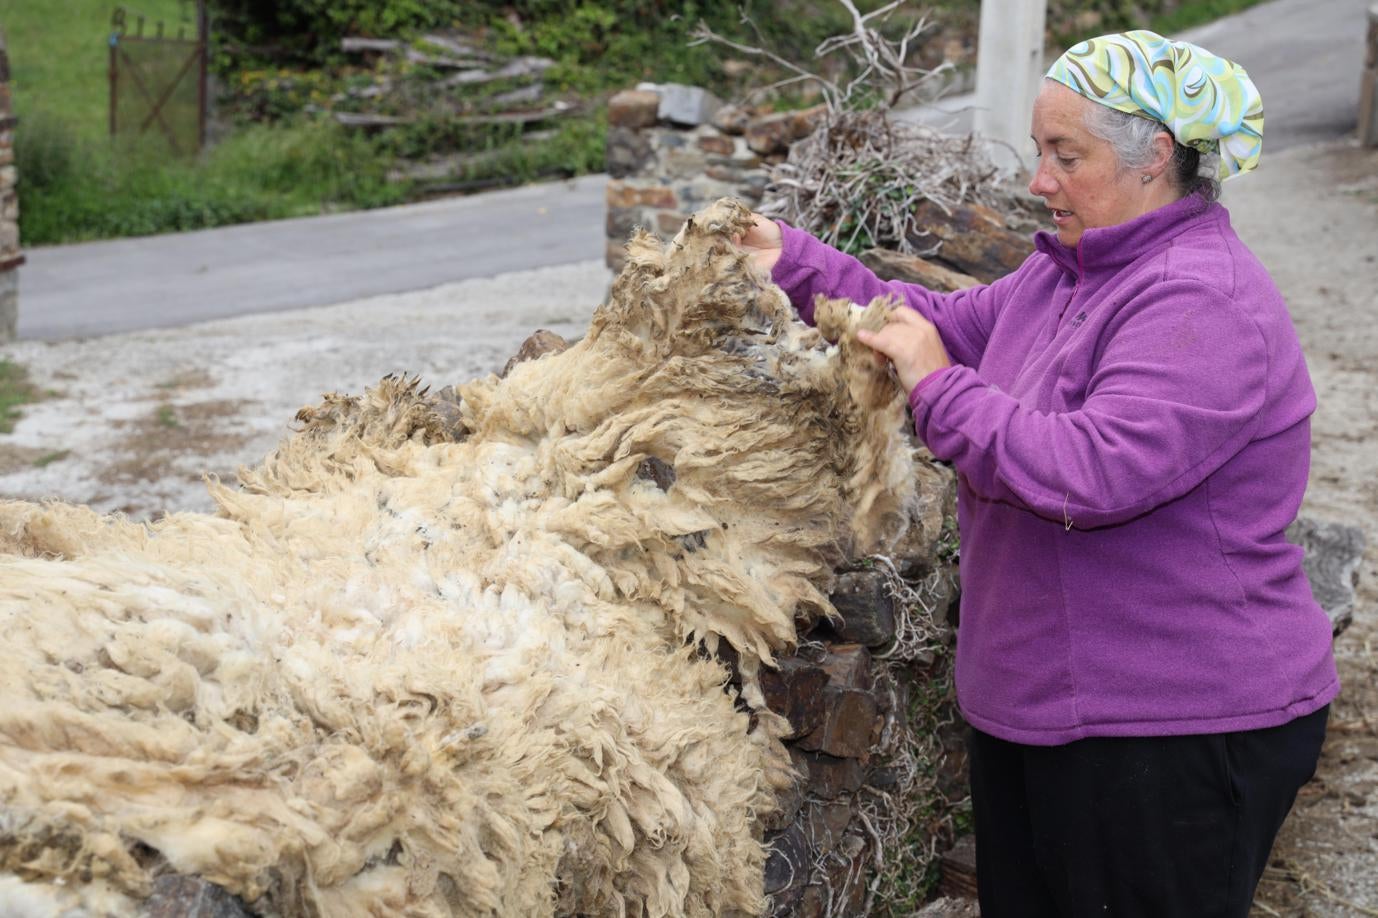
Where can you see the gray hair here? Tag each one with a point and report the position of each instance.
(1131, 137)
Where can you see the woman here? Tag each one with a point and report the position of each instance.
(1140, 658)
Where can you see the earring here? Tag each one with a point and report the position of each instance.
(1145, 179)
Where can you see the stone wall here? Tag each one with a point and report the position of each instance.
(10, 257)
(851, 700)
(847, 694)
(673, 149)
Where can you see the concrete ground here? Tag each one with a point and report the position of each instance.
(134, 420)
(97, 288)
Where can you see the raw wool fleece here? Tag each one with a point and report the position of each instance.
(442, 657)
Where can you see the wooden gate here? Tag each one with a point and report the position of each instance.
(158, 80)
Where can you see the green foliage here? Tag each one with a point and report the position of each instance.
(576, 149)
(15, 390)
(949, 542)
(940, 803)
(48, 459)
(278, 93)
(309, 31)
(612, 44)
(260, 173)
(1194, 13)
(1071, 21)
(59, 54)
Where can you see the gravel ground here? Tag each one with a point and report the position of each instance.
(1311, 216)
(135, 420)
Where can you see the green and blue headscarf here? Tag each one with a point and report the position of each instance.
(1207, 102)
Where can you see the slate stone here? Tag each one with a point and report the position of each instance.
(867, 608)
(787, 863)
(539, 343)
(182, 896)
(795, 690)
(688, 105)
(628, 151)
(825, 823)
(849, 725)
(1333, 554)
(848, 666)
(831, 777)
(633, 108)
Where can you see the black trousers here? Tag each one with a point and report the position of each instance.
(1157, 827)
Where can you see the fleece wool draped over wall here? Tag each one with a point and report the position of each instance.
(436, 662)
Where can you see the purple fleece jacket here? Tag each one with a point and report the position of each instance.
(1129, 420)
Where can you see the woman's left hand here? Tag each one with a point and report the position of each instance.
(912, 344)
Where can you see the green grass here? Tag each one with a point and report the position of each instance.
(167, 417)
(59, 54)
(48, 459)
(15, 390)
(75, 186)
(73, 190)
(1197, 12)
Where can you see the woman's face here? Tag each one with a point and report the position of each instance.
(1079, 176)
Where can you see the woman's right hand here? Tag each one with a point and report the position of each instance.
(762, 242)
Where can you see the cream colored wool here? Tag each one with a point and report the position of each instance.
(422, 667)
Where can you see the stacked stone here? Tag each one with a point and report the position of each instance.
(838, 697)
(10, 257)
(818, 848)
(671, 150)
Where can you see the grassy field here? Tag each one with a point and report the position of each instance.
(75, 185)
(59, 54)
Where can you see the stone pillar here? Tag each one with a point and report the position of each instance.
(10, 257)
(1009, 69)
(1368, 86)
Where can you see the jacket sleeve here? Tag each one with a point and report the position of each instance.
(808, 268)
(1178, 390)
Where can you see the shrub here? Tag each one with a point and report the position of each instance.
(259, 173)
(309, 31)
(47, 151)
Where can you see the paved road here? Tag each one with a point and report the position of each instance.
(158, 281)
(1305, 56)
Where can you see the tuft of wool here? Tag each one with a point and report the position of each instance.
(447, 657)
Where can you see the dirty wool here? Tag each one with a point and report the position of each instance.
(456, 655)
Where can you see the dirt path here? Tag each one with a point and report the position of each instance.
(136, 419)
(1311, 216)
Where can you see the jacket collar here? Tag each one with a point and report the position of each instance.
(1109, 248)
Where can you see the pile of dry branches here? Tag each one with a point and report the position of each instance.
(855, 182)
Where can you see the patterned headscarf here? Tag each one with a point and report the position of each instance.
(1206, 101)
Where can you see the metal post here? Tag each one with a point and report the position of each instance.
(203, 41)
(114, 73)
(1009, 70)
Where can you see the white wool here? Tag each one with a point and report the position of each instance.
(404, 673)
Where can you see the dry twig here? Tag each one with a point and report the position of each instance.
(855, 182)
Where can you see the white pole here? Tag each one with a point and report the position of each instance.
(1009, 69)
(1368, 87)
